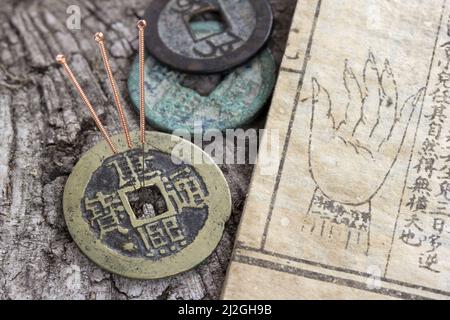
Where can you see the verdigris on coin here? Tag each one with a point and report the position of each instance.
(236, 101)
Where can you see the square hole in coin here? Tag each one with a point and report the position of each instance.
(147, 202)
(216, 23)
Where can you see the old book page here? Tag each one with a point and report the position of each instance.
(358, 203)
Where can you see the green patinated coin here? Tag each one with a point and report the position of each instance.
(147, 213)
(236, 101)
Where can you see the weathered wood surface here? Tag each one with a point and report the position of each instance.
(44, 129)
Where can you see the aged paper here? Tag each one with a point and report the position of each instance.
(359, 206)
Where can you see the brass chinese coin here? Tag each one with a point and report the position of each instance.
(148, 212)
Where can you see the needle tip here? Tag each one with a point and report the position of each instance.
(60, 58)
(141, 24)
(99, 37)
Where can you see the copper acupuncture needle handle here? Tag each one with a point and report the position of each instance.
(141, 25)
(100, 39)
(62, 60)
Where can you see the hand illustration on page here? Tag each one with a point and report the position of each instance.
(351, 159)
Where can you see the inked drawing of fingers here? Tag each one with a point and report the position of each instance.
(371, 103)
(353, 111)
(389, 85)
(322, 121)
(388, 107)
(399, 129)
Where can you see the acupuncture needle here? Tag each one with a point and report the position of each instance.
(141, 27)
(100, 39)
(61, 59)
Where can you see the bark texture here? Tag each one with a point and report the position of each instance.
(45, 128)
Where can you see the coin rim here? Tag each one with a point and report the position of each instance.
(156, 46)
(219, 205)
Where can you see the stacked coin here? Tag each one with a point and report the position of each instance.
(206, 65)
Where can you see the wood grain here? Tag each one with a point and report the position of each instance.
(44, 129)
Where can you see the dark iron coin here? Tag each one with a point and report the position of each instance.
(246, 27)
